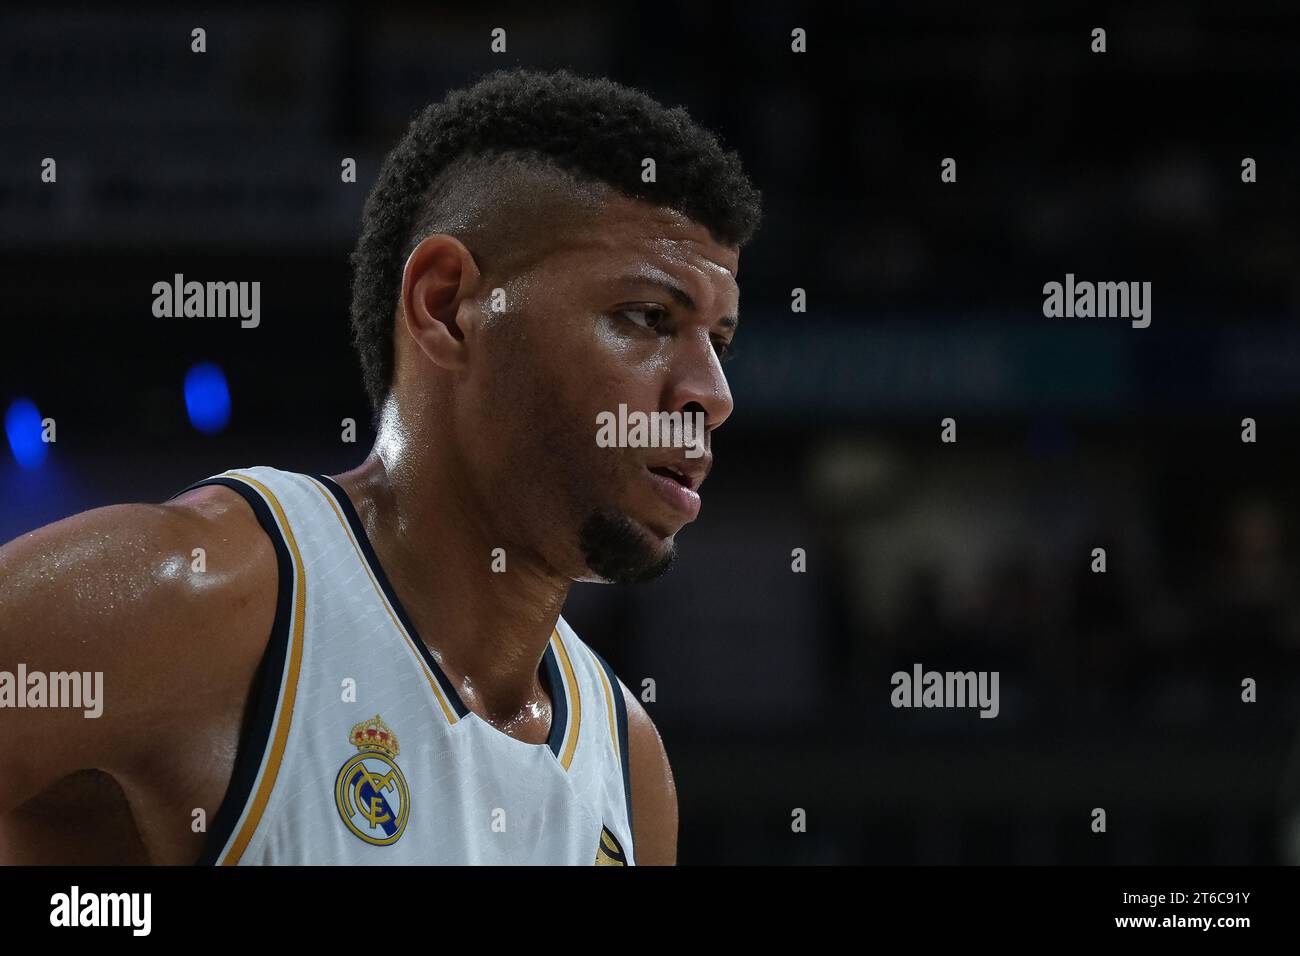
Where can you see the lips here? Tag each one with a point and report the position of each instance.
(687, 472)
(670, 472)
(674, 489)
(677, 480)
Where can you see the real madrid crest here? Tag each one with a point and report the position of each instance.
(371, 792)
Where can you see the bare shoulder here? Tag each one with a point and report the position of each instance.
(170, 603)
(171, 566)
(654, 793)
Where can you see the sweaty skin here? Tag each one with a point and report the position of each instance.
(486, 441)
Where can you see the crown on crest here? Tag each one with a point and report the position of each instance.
(374, 734)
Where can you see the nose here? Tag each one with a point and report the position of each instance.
(698, 383)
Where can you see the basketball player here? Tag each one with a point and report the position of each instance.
(372, 668)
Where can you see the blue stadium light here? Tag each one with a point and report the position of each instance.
(23, 429)
(207, 399)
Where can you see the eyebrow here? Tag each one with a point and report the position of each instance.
(680, 295)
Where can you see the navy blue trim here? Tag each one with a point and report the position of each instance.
(548, 670)
(620, 721)
(363, 539)
(270, 674)
(559, 697)
(619, 855)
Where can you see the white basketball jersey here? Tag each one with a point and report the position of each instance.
(361, 751)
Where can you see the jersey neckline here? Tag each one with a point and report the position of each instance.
(548, 670)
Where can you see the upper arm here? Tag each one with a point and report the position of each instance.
(118, 594)
(654, 793)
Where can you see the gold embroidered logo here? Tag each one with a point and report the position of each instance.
(370, 791)
(609, 852)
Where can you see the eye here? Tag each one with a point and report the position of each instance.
(646, 316)
(726, 352)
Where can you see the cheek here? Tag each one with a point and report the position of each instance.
(625, 368)
(546, 398)
(611, 338)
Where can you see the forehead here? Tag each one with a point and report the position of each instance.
(624, 231)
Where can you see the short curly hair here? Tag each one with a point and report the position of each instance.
(593, 129)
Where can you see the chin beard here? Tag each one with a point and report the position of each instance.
(618, 552)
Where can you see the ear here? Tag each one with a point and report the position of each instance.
(439, 283)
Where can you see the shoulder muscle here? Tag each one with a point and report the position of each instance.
(121, 591)
(654, 792)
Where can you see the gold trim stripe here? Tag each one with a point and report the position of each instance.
(570, 678)
(447, 709)
(575, 700)
(609, 703)
(289, 689)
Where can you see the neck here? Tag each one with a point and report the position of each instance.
(487, 629)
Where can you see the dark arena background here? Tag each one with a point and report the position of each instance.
(1162, 689)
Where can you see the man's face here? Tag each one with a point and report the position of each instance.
(635, 310)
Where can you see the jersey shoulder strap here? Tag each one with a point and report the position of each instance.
(262, 746)
(608, 696)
